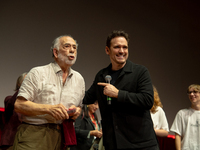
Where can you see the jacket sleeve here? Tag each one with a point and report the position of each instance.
(9, 106)
(80, 128)
(90, 95)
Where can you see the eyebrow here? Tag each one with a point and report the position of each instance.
(70, 44)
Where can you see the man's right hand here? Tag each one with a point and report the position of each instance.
(29, 108)
(59, 112)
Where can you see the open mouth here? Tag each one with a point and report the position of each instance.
(120, 56)
(71, 57)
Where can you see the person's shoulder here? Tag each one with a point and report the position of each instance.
(104, 70)
(40, 68)
(8, 98)
(159, 108)
(184, 111)
(135, 68)
(76, 74)
(135, 65)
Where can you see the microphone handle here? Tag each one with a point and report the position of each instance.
(109, 100)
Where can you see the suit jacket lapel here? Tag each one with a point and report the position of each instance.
(90, 121)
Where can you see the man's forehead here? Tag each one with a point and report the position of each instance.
(67, 40)
(119, 39)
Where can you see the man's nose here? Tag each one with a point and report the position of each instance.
(72, 49)
(121, 49)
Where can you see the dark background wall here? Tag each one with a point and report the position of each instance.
(164, 36)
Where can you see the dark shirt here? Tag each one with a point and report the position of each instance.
(114, 75)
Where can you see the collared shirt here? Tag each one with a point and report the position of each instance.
(44, 85)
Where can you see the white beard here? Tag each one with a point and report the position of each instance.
(66, 60)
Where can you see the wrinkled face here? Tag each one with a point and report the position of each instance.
(118, 51)
(93, 107)
(194, 95)
(67, 52)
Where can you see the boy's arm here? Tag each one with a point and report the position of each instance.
(177, 141)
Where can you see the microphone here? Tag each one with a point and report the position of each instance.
(108, 78)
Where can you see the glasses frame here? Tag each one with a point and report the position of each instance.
(194, 92)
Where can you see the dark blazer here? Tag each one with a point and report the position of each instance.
(83, 125)
(11, 121)
(126, 123)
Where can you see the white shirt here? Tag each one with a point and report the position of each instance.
(44, 85)
(159, 119)
(187, 125)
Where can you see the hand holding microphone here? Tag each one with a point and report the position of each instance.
(109, 89)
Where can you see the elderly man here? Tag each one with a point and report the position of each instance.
(125, 100)
(45, 96)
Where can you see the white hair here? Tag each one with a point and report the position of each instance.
(56, 43)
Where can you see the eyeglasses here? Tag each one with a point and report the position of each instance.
(194, 92)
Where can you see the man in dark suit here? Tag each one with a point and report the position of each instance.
(126, 122)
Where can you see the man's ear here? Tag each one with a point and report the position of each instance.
(107, 50)
(55, 52)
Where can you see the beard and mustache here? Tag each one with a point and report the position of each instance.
(66, 59)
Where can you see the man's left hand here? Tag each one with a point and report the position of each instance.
(76, 113)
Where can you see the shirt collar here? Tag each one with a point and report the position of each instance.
(127, 67)
(57, 69)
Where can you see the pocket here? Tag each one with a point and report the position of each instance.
(48, 93)
(71, 97)
(26, 130)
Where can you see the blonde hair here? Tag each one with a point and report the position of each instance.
(195, 86)
(157, 101)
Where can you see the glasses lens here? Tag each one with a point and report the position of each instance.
(194, 92)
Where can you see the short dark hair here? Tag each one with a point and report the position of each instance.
(116, 33)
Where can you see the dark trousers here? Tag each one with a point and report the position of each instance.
(148, 148)
(6, 147)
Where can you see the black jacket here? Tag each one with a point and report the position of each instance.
(126, 123)
(83, 125)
